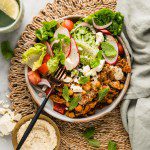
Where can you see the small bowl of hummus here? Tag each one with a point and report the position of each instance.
(45, 134)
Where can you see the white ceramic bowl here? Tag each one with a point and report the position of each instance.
(99, 113)
(17, 22)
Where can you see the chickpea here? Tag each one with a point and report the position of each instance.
(109, 101)
(70, 92)
(79, 108)
(83, 92)
(87, 87)
(67, 104)
(75, 95)
(71, 115)
(97, 84)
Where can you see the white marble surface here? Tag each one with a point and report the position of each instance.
(32, 7)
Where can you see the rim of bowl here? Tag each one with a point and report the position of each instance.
(27, 118)
(3, 29)
(106, 109)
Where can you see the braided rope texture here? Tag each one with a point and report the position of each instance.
(107, 128)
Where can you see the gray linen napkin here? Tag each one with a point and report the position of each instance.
(135, 109)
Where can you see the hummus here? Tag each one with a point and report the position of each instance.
(42, 136)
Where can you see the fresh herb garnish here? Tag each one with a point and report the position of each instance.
(102, 93)
(94, 143)
(96, 61)
(66, 93)
(104, 16)
(74, 102)
(89, 135)
(84, 79)
(47, 31)
(6, 50)
(108, 49)
(112, 145)
(89, 132)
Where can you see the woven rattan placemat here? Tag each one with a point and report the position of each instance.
(107, 128)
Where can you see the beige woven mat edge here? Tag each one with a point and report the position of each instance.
(107, 128)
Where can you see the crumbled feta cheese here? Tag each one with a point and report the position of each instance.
(99, 38)
(76, 80)
(6, 124)
(100, 66)
(7, 121)
(1, 102)
(2, 111)
(118, 72)
(86, 69)
(76, 88)
(94, 80)
(68, 79)
(5, 105)
(80, 48)
(92, 72)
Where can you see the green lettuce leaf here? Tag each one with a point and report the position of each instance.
(52, 64)
(33, 57)
(47, 31)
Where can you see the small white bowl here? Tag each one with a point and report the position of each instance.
(17, 22)
(99, 113)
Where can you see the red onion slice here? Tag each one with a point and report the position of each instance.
(44, 82)
(49, 49)
(101, 27)
(84, 24)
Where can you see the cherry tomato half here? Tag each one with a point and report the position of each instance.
(59, 108)
(34, 77)
(68, 24)
(46, 58)
(43, 69)
(120, 49)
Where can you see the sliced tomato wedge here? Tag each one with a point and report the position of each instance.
(68, 24)
(59, 108)
(34, 77)
(104, 31)
(43, 69)
(46, 58)
(120, 49)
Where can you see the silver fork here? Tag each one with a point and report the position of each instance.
(56, 81)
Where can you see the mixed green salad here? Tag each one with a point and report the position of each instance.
(84, 48)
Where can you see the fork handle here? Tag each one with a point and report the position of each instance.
(33, 121)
